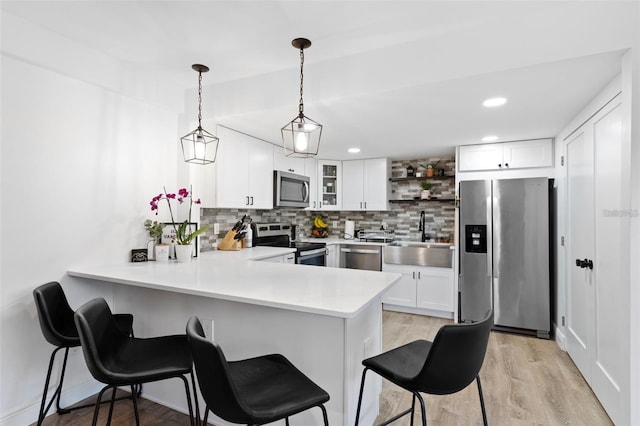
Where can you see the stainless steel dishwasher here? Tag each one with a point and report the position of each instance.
(361, 256)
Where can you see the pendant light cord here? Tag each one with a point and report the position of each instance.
(301, 105)
(199, 99)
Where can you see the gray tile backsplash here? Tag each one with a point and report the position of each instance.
(403, 217)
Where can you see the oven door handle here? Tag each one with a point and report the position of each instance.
(312, 253)
(359, 251)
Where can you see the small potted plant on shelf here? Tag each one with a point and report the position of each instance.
(426, 190)
(430, 168)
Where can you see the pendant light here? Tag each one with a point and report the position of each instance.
(301, 136)
(199, 146)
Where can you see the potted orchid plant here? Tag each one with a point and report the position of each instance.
(184, 235)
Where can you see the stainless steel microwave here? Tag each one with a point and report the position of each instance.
(290, 190)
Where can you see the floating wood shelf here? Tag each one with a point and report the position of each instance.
(421, 178)
(411, 200)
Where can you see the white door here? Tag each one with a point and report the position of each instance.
(580, 247)
(597, 305)
(611, 345)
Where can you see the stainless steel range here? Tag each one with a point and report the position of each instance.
(278, 235)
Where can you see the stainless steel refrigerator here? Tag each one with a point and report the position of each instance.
(505, 253)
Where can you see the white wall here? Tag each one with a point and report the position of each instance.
(80, 161)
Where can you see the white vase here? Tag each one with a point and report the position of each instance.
(162, 252)
(184, 253)
(425, 194)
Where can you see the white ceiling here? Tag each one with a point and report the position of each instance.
(403, 79)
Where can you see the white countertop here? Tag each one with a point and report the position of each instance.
(228, 276)
(253, 253)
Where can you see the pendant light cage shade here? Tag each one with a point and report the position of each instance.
(301, 137)
(199, 147)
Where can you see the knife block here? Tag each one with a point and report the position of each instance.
(228, 243)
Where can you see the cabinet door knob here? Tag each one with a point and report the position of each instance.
(500, 165)
(506, 164)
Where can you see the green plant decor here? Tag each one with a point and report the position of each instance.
(430, 165)
(184, 237)
(154, 228)
(426, 185)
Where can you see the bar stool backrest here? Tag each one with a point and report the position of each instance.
(214, 377)
(455, 357)
(100, 337)
(55, 315)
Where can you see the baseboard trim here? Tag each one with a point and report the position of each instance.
(561, 339)
(417, 311)
(29, 414)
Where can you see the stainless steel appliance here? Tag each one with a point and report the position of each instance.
(361, 256)
(277, 235)
(290, 190)
(505, 253)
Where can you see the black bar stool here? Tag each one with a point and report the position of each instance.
(119, 360)
(56, 322)
(253, 391)
(445, 366)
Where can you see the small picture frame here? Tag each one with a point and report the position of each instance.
(138, 255)
(169, 236)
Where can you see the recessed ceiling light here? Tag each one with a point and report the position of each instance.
(491, 138)
(494, 102)
(354, 150)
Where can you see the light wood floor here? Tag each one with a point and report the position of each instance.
(526, 381)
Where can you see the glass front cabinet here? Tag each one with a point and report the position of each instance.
(330, 184)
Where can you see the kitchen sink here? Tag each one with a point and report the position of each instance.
(401, 243)
(417, 253)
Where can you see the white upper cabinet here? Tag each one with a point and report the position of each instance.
(365, 184)
(352, 185)
(311, 170)
(329, 184)
(288, 164)
(506, 155)
(244, 171)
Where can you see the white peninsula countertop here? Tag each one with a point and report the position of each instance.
(325, 320)
(228, 276)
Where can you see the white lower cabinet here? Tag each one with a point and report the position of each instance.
(421, 287)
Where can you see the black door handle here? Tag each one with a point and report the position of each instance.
(586, 263)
